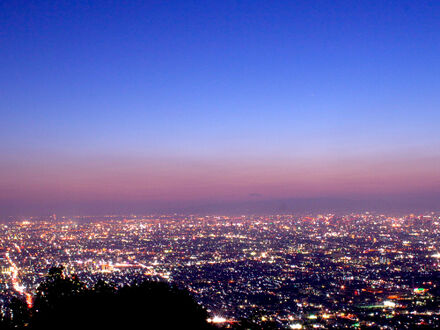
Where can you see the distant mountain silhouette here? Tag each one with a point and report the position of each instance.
(260, 206)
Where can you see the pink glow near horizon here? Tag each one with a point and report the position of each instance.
(179, 179)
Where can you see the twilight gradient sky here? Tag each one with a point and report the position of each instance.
(127, 105)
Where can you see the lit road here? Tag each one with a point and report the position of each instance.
(16, 282)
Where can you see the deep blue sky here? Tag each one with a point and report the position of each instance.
(185, 100)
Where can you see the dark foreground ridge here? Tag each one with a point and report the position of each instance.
(65, 302)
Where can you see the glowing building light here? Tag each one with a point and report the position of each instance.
(389, 303)
(217, 319)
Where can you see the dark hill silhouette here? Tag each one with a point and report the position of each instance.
(65, 302)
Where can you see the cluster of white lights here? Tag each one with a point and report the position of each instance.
(216, 319)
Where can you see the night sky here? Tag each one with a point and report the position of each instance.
(116, 106)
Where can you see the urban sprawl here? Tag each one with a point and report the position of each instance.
(320, 271)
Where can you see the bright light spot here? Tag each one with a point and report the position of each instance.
(296, 326)
(217, 319)
(20, 288)
(388, 303)
(419, 290)
(29, 301)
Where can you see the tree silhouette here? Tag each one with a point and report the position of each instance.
(18, 316)
(64, 301)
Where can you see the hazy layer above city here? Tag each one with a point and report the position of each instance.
(393, 205)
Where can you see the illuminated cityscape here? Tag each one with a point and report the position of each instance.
(320, 271)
